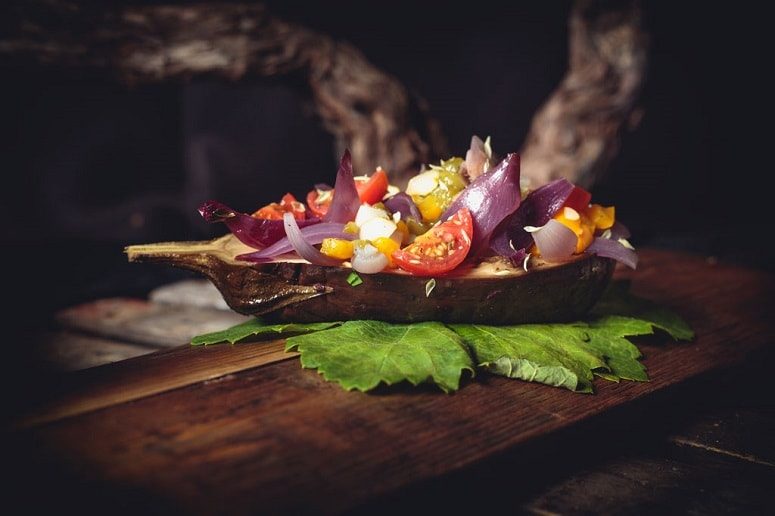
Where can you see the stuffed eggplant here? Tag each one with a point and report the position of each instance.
(465, 242)
(492, 292)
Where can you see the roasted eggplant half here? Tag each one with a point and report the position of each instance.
(491, 291)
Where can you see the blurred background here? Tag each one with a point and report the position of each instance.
(91, 164)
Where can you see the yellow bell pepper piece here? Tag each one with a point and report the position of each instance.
(586, 236)
(338, 248)
(430, 208)
(603, 217)
(386, 246)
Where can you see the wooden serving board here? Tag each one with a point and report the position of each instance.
(279, 438)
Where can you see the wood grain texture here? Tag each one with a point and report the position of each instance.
(676, 480)
(280, 439)
(144, 376)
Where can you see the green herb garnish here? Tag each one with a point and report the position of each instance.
(354, 280)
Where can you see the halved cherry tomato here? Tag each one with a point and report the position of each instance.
(319, 201)
(289, 203)
(439, 250)
(578, 199)
(274, 211)
(372, 190)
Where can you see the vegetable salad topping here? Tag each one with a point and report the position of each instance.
(456, 211)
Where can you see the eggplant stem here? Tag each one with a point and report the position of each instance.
(245, 288)
(177, 253)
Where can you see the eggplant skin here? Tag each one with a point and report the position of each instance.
(550, 293)
(301, 292)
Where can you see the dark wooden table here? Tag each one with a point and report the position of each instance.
(253, 438)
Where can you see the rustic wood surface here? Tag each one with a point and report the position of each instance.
(144, 376)
(278, 438)
(702, 447)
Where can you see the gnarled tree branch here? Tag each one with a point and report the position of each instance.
(366, 109)
(576, 133)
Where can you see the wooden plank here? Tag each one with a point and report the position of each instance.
(736, 418)
(280, 439)
(152, 374)
(704, 450)
(676, 480)
(624, 461)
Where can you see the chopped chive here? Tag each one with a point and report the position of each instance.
(354, 280)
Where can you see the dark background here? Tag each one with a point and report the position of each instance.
(90, 165)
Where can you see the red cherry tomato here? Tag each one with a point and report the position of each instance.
(319, 201)
(439, 250)
(578, 199)
(274, 211)
(370, 190)
(289, 203)
(373, 189)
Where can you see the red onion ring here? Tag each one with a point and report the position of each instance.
(304, 248)
(555, 242)
(608, 248)
(312, 234)
(253, 232)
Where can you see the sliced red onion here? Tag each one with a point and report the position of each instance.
(253, 232)
(491, 198)
(304, 248)
(403, 203)
(619, 230)
(555, 241)
(368, 260)
(323, 187)
(537, 209)
(518, 258)
(312, 234)
(615, 232)
(346, 202)
(609, 248)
